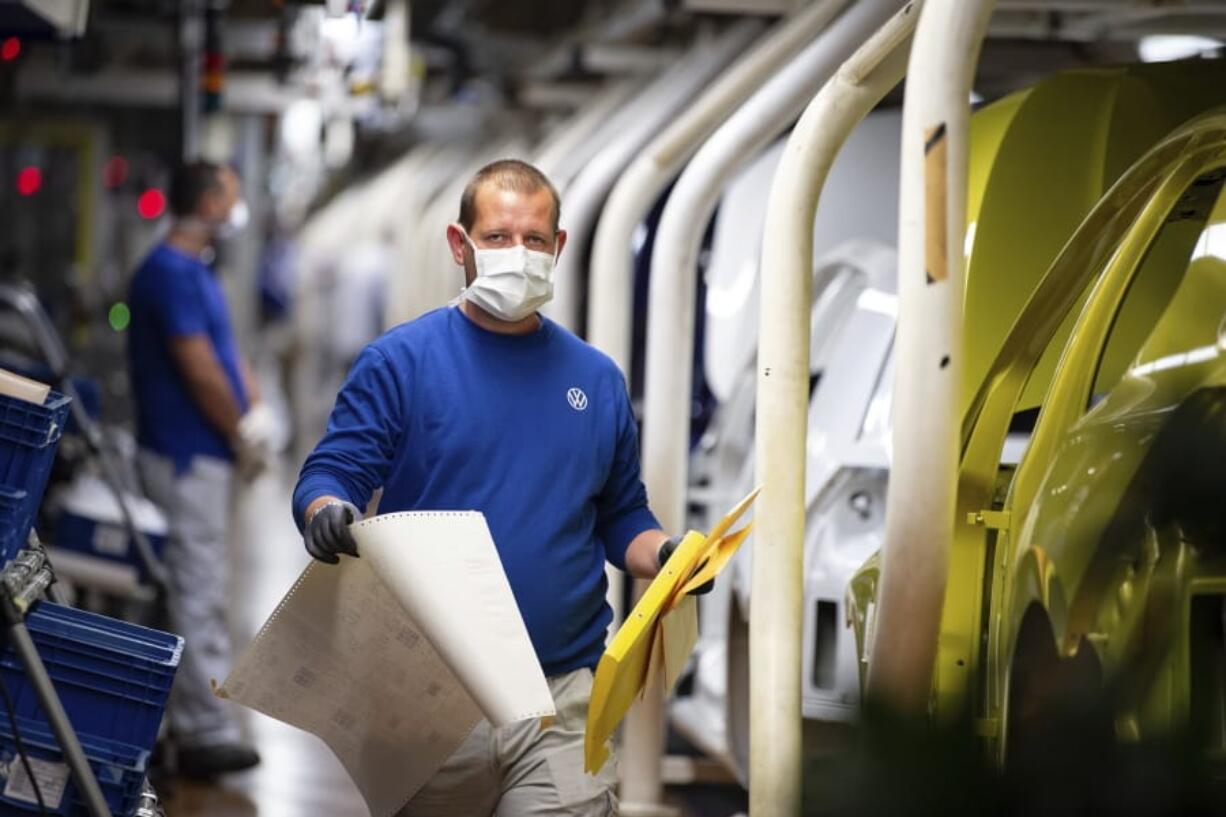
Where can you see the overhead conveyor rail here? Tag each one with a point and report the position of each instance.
(637, 123)
(610, 306)
(559, 156)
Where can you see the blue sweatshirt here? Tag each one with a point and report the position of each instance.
(535, 431)
(174, 295)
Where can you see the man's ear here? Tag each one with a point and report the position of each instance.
(559, 242)
(456, 242)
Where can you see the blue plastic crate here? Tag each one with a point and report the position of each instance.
(113, 677)
(90, 521)
(88, 390)
(120, 770)
(167, 646)
(28, 437)
(104, 540)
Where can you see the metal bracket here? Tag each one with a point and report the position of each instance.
(992, 520)
(27, 577)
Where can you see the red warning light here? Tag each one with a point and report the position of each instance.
(151, 204)
(115, 172)
(29, 181)
(10, 49)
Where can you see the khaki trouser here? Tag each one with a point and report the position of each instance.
(197, 503)
(522, 770)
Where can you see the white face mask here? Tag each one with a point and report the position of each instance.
(235, 222)
(511, 282)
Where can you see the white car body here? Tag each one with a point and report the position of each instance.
(848, 439)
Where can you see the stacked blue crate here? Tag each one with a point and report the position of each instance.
(29, 434)
(90, 522)
(114, 680)
(112, 677)
(120, 770)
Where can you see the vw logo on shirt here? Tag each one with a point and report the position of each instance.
(577, 399)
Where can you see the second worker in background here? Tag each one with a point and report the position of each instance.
(198, 414)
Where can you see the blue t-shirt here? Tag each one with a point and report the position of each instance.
(535, 431)
(174, 294)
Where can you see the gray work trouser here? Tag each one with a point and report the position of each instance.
(522, 770)
(198, 504)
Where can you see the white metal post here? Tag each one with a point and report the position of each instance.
(783, 402)
(610, 316)
(673, 285)
(931, 266)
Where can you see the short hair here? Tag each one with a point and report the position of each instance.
(507, 174)
(190, 182)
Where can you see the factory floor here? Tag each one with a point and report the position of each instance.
(299, 777)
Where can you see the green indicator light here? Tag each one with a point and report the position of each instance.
(120, 316)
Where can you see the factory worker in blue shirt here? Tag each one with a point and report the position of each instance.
(487, 405)
(198, 411)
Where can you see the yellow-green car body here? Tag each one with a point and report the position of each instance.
(1098, 558)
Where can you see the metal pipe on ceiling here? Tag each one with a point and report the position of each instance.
(638, 122)
(1115, 26)
(191, 50)
(556, 153)
(1165, 6)
(610, 306)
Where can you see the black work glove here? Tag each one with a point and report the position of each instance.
(666, 550)
(327, 535)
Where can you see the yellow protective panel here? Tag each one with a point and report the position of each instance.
(653, 644)
(1066, 141)
(988, 128)
(673, 641)
(1045, 175)
(723, 553)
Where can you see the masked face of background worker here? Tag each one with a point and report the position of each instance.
(504, 220)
